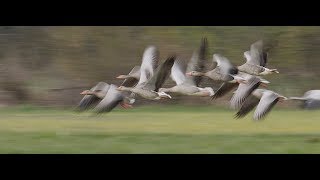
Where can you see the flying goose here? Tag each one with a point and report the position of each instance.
(310, 98)
(224, 71)
(94, 95)
(256, 60)
(101, 90)
(148, 87)
(263, 99)
(244, 90)
(132, 78)
(189, 85)
(185, 85)
(112, 99)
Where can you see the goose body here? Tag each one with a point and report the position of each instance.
(312, 94)
(264, 100)
(100, 92)
(189, 85)
(223, 72)
(148, 88)
(311, 99)
(256, 61)
(244, 90)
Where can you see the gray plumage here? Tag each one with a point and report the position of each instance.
(244, 90)
(310, 99)
(102, 89)
(264, 100)
(90, 100)
(189, 85)
(148, 88)
(256, 60)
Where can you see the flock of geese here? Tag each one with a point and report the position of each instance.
(146, 81)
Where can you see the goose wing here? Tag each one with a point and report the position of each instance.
(225, 65)
(110, 101)
(89, 100)
(267, 102)
(161, 74)
(312, 94)
(133, 80)
(178, 72)
(247, 106)
(312, 104)
(149, 63)
(197, 63)
(258, 55)
(243, 91)
(224, 89)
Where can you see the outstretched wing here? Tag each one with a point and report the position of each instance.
(133, 79)
(225, 65)
(110, 101)
(224, 89)
(89, 100)
(149, 63)
(197, 63)
(267, 102)
(247, 106)
(243, 91)
(258, 54)
(178, 72)
(161, 74)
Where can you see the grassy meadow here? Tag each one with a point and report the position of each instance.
(157, 129)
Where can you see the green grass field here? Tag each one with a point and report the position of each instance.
(159, 129)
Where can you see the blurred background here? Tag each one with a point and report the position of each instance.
(50, 66)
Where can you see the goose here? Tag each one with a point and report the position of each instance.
(101, 91)
(148, 87)
(310, 98)
(112, 99)
(244, 90)
(256, 60)
(132, 78)
(264, 100)
(185, 85)
(228, 86)
(189, 85)
(223, 72)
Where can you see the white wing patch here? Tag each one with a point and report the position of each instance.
(177, 74)
(149, 63)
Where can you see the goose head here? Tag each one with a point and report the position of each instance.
(85, 92)
(97, 93)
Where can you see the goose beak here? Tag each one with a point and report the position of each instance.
(84, 92)
(189, 74)
(125, 105)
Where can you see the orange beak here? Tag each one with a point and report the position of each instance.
(125, 105)
(84, 92)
